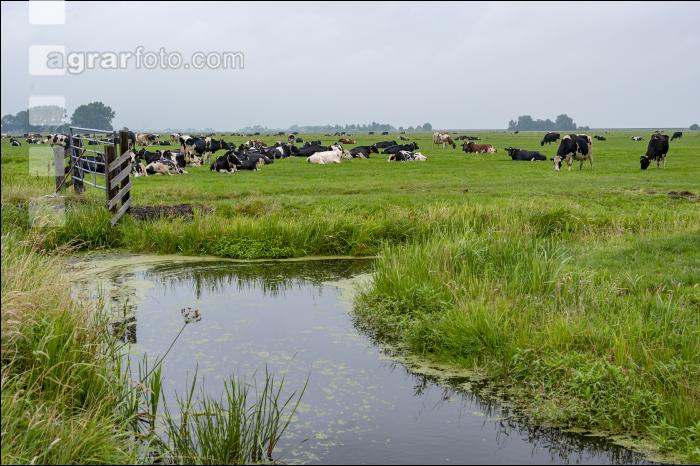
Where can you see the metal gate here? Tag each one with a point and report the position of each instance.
(101, 169)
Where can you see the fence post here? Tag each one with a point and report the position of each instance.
(59, 154)
(124, 148)
(109, 158)
(76, 145)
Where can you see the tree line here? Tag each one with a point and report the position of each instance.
(373, 126)
(53, 118)
(562, 122)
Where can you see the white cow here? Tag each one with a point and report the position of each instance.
(330, 156)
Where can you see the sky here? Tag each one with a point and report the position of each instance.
(471, 65)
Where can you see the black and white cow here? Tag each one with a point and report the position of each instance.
(407, 156)
(574, 146)
(677, 135)
(520, 154)
(14, 142)
(599, 138)
(656, 150)
(549, 138)
(225, 163)
(637, 138)
(363, 151)
(311, 150)
(399, 147)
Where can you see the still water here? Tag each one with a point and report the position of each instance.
(293, 318)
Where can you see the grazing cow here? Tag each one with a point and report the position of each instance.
(399, 147)
(637, 138)
(403, 138)
(370, 132)
(599, 138)
(291, 139)
(384, 133)
(520, 154)
(174, 137)
(677, 135)
(472, 147)
(14, 142)
(574, 146)
(656, 150)
(364, 151)
(549, 138)
(347, 141)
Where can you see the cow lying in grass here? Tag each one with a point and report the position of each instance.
(407, 156)
(335, 155)
(164, 166)
(363, 152)
(470, 147)
(574, 146)
(520, 154)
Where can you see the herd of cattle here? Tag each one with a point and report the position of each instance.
(254, 153)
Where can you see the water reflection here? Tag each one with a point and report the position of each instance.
(360, 406)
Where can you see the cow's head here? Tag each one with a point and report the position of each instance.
(644, 162)
(373, 149)
(557, 162)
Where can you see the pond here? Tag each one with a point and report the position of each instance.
(294, 318)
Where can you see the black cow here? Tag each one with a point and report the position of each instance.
(364, 151)
(311, 150)
(549, 138)
(384, 133)
(92, 163)
(656, 150)
(574, 146)
(397, 148)
(520, 154)
(599, 138)
(677, 135)
(385, 144)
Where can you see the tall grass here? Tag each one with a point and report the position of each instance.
(69, 394)
(230, 430)
(608, 346)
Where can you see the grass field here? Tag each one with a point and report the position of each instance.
(578, 292)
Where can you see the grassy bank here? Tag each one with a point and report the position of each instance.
(68, 396)
(591, 333)
(577, 292)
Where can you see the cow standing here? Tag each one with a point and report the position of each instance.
(574, 146)
(656, 150)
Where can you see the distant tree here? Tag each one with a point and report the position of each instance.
(563, 122)
(427, 127)
(694, 127)
(93, 115)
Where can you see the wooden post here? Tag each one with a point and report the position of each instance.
(59, 154)
(76, 145)
(110, 156)
(123, 148)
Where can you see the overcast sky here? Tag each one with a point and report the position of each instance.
(454, 65)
